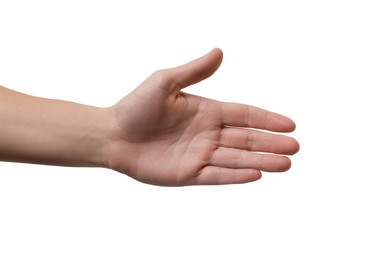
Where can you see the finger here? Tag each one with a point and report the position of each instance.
(241, 159)
(249, 116)
(175, 79)
(257, 141)
(212, 175)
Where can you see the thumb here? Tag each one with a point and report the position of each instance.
(192, 72)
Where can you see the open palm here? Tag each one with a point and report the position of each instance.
(163, 136)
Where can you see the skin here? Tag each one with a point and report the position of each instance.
(158, 134)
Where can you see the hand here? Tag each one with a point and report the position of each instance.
(163, 136)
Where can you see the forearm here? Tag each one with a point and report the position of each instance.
(46, 131)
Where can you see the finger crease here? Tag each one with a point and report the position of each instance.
(249, 140)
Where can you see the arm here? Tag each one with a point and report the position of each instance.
(45, 131)
(158, 134)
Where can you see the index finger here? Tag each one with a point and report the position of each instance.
(240, 115)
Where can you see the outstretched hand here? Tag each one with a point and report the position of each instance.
(163, 136)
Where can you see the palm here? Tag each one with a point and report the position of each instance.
(168, 137)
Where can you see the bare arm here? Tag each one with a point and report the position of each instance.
(158, 134)
(45, 131)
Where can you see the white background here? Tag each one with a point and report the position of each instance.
(325, 64)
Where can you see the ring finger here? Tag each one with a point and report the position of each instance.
(241, 159)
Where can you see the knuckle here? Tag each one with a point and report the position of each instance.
(250, 140)
(164, 79)
(239, 160)
(247, 116)
(160, 75)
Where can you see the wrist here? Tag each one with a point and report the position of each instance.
(98, 138)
